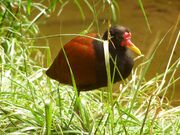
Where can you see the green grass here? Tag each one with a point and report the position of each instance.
(32, 103)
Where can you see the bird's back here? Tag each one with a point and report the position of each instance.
(82, 59)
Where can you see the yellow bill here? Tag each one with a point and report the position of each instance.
(132, 47)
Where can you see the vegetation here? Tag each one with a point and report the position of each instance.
(31, 103)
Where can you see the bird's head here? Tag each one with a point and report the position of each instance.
(120, 37)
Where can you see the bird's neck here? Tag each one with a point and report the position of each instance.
(117, 49)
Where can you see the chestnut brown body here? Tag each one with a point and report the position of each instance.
(86, 58)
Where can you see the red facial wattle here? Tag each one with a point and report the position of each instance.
(128, 43)
(127, 39)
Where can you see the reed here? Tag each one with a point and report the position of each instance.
(31, 103)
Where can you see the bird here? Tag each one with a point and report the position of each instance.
(86, 58)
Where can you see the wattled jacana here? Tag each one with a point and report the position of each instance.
(86, 58)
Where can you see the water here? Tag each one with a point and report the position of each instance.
(162, 15)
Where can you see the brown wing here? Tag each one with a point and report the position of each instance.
(82, 58)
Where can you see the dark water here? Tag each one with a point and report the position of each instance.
(162, 15)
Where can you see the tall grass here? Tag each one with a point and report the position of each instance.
(31, 103)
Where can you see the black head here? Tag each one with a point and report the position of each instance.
(120, 38)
